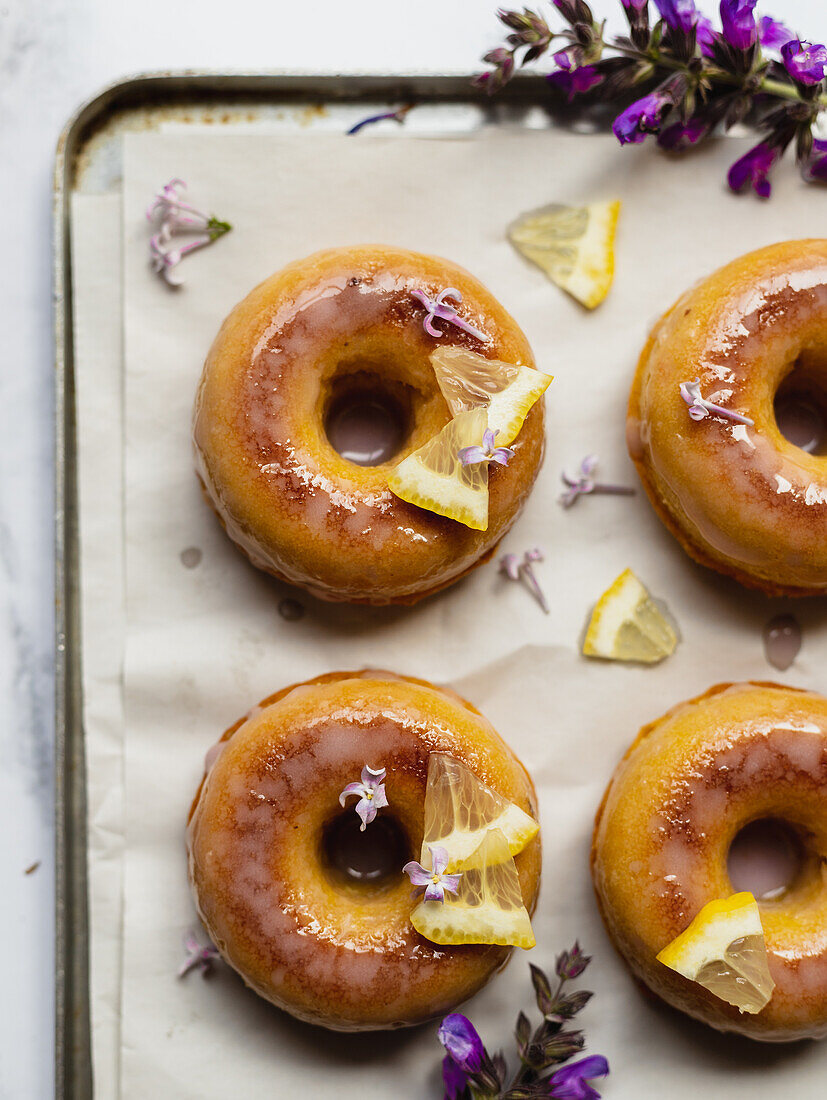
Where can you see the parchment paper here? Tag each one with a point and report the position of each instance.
(98, 350)
(204, 644)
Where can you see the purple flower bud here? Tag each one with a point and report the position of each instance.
(635, 6)
(753, 168)
(642, 117)
(680, 15)
(738, 22)
(816, 167)
(773, 34)
(680, 135)
(571, 1082)
(454, 1080)
(804, 61)
(705, 35)
(459, 1037)
(571, 964)
(577, 81)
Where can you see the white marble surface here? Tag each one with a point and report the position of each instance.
(54, 54)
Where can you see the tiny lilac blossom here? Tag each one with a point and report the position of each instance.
(164, 261)
(435, 881)
(571, 1082)
(816, 167)
(753, 168)
(584, 483)
(438, 307)
(574, 82)
(682, 134)
(738, 22)
(772, 34)
(176, 216)
(706, 35)
(199, 956)
(487, 452)
(371, 792)
(804, 61)
(516, 570)
(700, 408)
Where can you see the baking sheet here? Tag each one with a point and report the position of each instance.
(204, 644)
(98, 348)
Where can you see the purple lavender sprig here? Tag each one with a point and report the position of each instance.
(685, 78)
(468, 1070)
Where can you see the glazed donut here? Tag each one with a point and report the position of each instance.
(688, 785)
(341, 326)
(740, 498)
(266, 826)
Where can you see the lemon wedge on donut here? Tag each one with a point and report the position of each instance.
(627, 625)
(506, 390)
(487, 907)
(460, 810)
(723, 949)
(574, 245)
(434, 478)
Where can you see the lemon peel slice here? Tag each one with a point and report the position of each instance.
(574, 245)
(487, 907)
(507, 390)
(460, 809)
(434, 478)
(724, 950)
(627, 625)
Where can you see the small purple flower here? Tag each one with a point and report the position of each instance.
(680, 15)
(700, 408)
(571, 1082)
(454, 1080)
(459, 1037)
(165, 260)
(635, 6)
(804, 61)
(371, 792)
(642, 117)
(516, 570)
(738, 21)
(680, 135)
(705, 35)
(584, 483)
(816, 166)
(435, 881)
(754, 168)
(772, 34)
(199, 956)
(487, 452)
(571, 964)
(437, 307)
(573, 82)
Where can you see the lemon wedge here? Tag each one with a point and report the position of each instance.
(487, 907)
(627, 625)
(723, 949)
(574, 245)
(460, 809)
(434, 478)
(506, 390)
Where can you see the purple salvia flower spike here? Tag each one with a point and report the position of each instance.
(700, 408)
(439, 308)
(510, 566)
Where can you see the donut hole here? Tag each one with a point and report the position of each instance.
(801, 405)
(767, 857)
(368, 416)
(371, 860)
